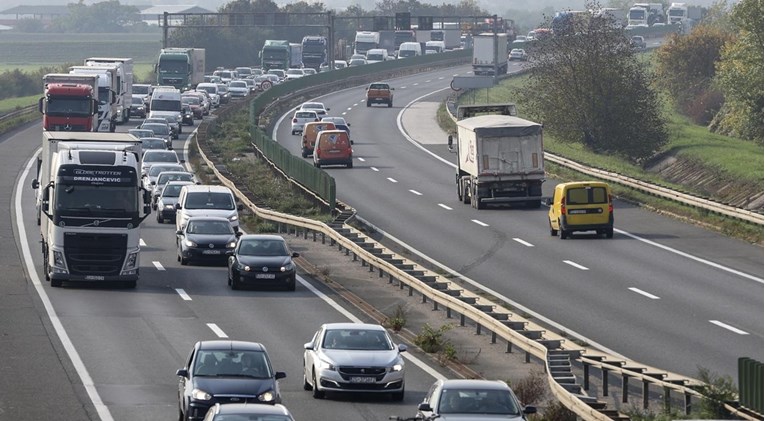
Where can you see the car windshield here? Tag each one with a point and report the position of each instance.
(139, 133)
(190, 100)
(160, 157)
(155, 170)
(378, 86)
(209, 227)
(238, 84)
(313, 106)
(232, 363)
(477, 401)
(141, 89)
(172, 190)
(262, 247)
(157, 128)
(166, 178)
(152, 143)
(200, 200)
(356, 339)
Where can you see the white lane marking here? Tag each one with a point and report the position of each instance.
(374, 169)
(361, 159)
(444, 206)
(355, 104)
(427, 81)
(643, 293)
(343, 113)
(416, 192)
(218, 331)
(158, 265)
(468, 72)
(392, 180)
(332, 303)
(576, 265)
(182, 293)
(415, 84)
(692, 257)
(399, 123)
(729, 327)
(456, 74)
(525, 243)
(142, 243)
(483, 224)
(71, 351)
(441, 78)
(349, 108)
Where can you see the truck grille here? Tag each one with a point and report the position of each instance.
(68, 128)
(95, 254)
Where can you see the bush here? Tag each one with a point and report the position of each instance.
(432, 340)
(556, 411)
(704, 106)
(531, 389)
(397, 321)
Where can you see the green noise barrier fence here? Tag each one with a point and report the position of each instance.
(750, 384)
(295, 167)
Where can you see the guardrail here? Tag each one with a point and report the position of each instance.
(18, 113)
(555, 351)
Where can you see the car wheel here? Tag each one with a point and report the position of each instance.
(553, 232)
(56, 283)
(293, 132)
(317, 394)
(349, 164)
(159, 218)
(610, 233)
(390, 104)
(398, 396)
(235, 283)
(369, 103)
(563, 233)
(130, 284)
(184, 261)
(306, 385)
(291, 285)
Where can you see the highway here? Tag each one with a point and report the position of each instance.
(130, 342)
(662, 292)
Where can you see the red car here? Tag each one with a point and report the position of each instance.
(195, 104)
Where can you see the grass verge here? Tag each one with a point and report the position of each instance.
(11, 104)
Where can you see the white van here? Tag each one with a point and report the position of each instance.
(435, 47)
(166, 103)
(205, 200)
(409, 49)
(377, 55)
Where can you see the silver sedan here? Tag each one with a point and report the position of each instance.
(348, 357)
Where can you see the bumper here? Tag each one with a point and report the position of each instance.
(564, 225)
(167, 213)
(92, 278)
(199, 254)
(379, 100)
(333, 381)
(137, 113)
(281, 279)
(334, 161)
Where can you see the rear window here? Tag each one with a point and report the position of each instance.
(335, 138)
(306, 115)
(204, 200)
(378, 86)
(586, 196)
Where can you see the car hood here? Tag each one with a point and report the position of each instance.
(203, 239)
(361, 357)
(258, 261)
(168, 201)
(478, 417)
(233, 385)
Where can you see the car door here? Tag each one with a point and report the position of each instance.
(309, 356)
(185, 383)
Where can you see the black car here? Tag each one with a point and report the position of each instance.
(137, 108)
(261, 260)
(205, 239)
(226, 372)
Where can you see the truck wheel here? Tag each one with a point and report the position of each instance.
(369, 104)
(112, 126)
(459, 192)
(465, 196)
(390, 104)
(55, 283)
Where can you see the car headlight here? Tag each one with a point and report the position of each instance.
(396, 367)
(288, 267)
(233, 218)
(326, 365)
(267, 396)
(200, 395)
(190, 243)
(231, 245)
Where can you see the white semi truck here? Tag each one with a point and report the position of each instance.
(500, 157)
(124, 82)
(107, 94)
(490, 54)
(92, 204)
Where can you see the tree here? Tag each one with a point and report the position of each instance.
(106, 16)
(685, 66)
(29, 26)
(740, 75)
(589, 87)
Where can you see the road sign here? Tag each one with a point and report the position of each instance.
(472, 82)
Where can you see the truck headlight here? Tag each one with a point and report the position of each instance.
(132, 261)
(58, 259)
(200, 395)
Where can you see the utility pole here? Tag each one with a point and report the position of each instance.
(164, 30)
(496, 45)
(331, 41)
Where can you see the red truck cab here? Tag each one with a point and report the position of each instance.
(68, 107)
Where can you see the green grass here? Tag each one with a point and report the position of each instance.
(10, 104)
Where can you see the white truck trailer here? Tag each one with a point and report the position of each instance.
(490, 54)
(500, 157)
(107, 94)
(124, 82)
(92, 205)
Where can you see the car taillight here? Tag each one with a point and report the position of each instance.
(294, 120)
(563, 206)
(610, 205)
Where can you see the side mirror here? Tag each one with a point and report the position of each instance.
(280, 375)
(239, 207)
(450, 143)
(295, 254)
(182, 373)
(238, 234)
(308, 345)
(183, 161)
(177, 206)
(401, 348)
(153, 183)
(327, 108)
(35, 184)
(530, 410)
(424, 407)
(179, 232)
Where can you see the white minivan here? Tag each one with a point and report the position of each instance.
(377, 55)
(435, 47)
(206, 200)
(409, 49)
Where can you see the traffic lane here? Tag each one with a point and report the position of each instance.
(372, 200)
(32, 350)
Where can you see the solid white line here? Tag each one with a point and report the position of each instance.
(361, 159)
(332, 303)
(444, 206)
(416, 192)
(576, 265)
(142, 243)
(729, 327)
(218, 331)
(182, 293)
(392, 180)
(641, 292)
(71, 351)
(158, 265)
(483, 224)
(456, 74)
(411, 140)
(374, 169)
(525, 243)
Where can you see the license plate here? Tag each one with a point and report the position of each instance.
(265, 276)
(210, 251)
(379, 99)
(94, 278)
(577, 211)
(362, 379)
(334, 150)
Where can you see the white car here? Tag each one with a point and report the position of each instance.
(309, 71)
(475, 400)
(518, 54)
(238, 88)
(300, 118)
(317, 107)
(212, 91)
(294, 74)
(353, 357)
(278, 72)
(158, 156)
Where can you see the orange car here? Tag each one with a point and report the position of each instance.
(333, 147)
(310, 131)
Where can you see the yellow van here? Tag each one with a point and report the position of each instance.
(310, 131)
(582, 206)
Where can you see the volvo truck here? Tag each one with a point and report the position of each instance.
(91, 206)
(124, 97)
(500, 159)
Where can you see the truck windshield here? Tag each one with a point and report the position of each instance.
(71, 106)
(165, 105)
(406, 53)
(96, 200)
(365, 46)
(637, 14)
(274, 54)
(103, 94)
(172, 66)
